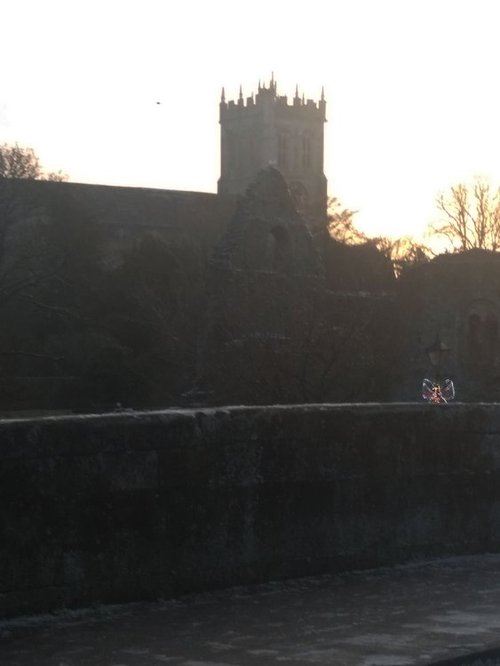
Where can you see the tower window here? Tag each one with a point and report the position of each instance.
(282, 151)
(306, 151)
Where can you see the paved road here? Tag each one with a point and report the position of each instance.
(416, 614)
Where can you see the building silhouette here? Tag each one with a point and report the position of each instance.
(160, 292)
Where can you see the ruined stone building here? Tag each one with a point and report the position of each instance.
(275, 332)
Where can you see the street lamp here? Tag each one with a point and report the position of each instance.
(438, 390)
(438, 353)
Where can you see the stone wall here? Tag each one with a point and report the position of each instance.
(131, 506)
(455, 296)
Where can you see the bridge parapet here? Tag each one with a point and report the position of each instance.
(137, 506)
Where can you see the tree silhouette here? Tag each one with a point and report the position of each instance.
(469, 216)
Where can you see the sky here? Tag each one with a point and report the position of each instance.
(411, 86)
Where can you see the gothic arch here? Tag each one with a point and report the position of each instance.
(278, 249)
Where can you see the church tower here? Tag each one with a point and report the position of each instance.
(266, 130)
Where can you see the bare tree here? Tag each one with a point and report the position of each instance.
(22, 163)
(403, 253)
(18, 212)
(470, 216)
(19, 162)
(341, 225)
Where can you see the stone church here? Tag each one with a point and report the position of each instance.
(274, 330)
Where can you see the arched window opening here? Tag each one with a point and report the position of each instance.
(278, 249)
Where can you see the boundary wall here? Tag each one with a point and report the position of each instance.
(139, 506)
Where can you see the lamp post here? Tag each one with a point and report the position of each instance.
(438, 353)
(438, 390)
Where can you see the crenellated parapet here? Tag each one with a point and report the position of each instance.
(267, 95)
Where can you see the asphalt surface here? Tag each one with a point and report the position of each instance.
(414, 614)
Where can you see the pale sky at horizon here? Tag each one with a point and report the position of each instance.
(411, 90)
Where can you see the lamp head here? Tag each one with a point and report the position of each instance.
(437, 352)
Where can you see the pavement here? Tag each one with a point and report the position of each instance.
(413, 614)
